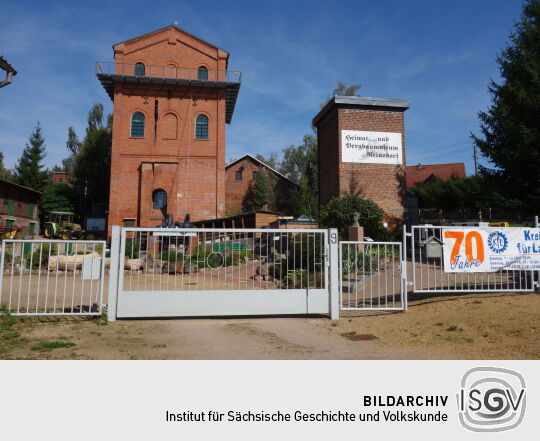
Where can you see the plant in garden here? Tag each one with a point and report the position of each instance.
(339, 213)
(133, 248)
(40, 256)
(172, 255)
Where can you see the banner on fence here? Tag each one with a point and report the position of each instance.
(475, 250)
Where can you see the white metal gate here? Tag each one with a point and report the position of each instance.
(372, 276)
(428, 275)
(52, 277)
(168, 272)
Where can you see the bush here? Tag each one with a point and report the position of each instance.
(171, 255)
(372, 259)
(34, 257)
(339, 213)
(132, 249)
(231, 258)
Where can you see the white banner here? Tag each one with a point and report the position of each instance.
(477, 250)
(371, 147)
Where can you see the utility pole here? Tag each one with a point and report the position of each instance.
(475, 161)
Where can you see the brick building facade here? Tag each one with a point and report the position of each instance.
(383, 183)
(240, 177)
(61, 178)
(172, 96)
(19, 207)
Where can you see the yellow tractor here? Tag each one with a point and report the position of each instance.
(61, 226)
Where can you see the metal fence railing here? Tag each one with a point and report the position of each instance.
(428, 273)
(171, 71)
(52, 277)
(222, 259)
(371, 276)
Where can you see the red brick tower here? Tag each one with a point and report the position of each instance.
(362, 151)
(172, 96)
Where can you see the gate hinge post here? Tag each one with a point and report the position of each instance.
(333, 276)
(113, 274)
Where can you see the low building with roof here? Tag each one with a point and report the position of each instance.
(19, 207)
(240, 176)
(417, 174)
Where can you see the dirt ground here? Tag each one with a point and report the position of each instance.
(472, 327)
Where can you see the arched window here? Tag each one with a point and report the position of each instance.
(201, 127)
(159, 200)
(171, 70)
(137, 125)
(202, 73)
(169, 126)
(139, 69)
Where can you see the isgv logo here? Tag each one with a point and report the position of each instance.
(491, 399)
(497, 242)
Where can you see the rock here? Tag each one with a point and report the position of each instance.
(134, 264)
(261, 270)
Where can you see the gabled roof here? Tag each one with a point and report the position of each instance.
(420, 173)
(253, 158)
(170, 27)
(20, 186)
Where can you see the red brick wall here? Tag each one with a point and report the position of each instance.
(382, 183)
(191, 171)
(60, 178)
(236, 191)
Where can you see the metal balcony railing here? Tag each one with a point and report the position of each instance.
(180, 73)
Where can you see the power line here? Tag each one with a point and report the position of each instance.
(455, 144)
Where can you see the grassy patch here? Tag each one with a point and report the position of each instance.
(6, 319)
(159, 346)
(451, 328)
(48, 346)
(101, 320)
(10, 335)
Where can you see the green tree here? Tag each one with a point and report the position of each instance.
(272, 160)
(89, 160)
(339, 213)
(260, 191)
(302, 160)
(300, 165)
(56, 197)
(510, 128)
(4, 172)
(471, 193)
(95, 118)
(29, 170)
(92, 168)
(343, 90)
(303, 200)
(73, 145)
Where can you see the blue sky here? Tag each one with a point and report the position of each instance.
(439, 55)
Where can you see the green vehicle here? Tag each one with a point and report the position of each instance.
(61, 226)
